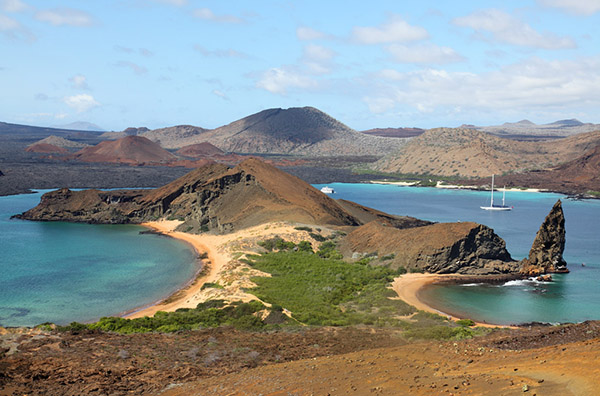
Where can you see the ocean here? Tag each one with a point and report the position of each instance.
(62, 272)
(572, 297)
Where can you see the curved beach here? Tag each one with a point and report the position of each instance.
(408, 287)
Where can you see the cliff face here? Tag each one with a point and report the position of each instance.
(463, 248)
(546, 254)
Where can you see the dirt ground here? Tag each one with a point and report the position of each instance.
(336, 361)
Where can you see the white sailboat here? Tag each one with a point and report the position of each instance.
(496, 207)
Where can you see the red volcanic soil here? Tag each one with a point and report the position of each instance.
(129, 150)
(46, 148)
(203, 149)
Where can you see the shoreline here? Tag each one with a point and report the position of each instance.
(409, 287)
(184, 296)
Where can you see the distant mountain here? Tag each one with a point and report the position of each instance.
(568, 123)
(298, 131)
(523, 129)
(82, 126)
(129, 150)
(395, 132)
(472, 153)
(199, 150)
(34, 132)
(60, 142)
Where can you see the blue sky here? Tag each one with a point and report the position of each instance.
(159, 63)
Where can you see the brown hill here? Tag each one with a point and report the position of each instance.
(128, 150)
(472, 153)
(301, 131)
(61, 142)
(45, 148)
(579, 176)
(198, 150)
(213, 197)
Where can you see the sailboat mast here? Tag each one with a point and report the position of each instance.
(492, 200)
(503, 194)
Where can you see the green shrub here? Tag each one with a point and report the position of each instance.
(465, 323)
(302, 228)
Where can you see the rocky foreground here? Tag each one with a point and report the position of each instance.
(555, 360)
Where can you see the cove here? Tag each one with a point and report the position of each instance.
(63, 272)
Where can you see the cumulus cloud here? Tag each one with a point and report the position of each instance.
(280, 80)
(221, 53)
(79, 82)
(65, 17)
(396, 30)
(424, 54)
(208, 15)
(81, 103)
(499, 26)
(137, 69)
(577, 7)
(531, 85)
(305, 33)
(13, 6)
(318, 59)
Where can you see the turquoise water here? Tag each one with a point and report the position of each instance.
(572, 297)
(62, 272)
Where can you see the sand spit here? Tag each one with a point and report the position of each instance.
(222, 265)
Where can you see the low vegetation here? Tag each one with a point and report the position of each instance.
(318, 288)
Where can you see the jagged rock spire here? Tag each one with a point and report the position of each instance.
(546, 254)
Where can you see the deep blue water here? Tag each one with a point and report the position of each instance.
(572, 297)
(62, 272)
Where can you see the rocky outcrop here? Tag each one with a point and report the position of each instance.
(463, 248)
(546, 254)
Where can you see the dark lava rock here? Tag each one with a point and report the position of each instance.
(546, 254)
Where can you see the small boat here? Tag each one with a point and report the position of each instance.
(327, 190)
(496, 207)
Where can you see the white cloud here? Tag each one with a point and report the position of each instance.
(177, 3)
(208, 15)
(81, 103)
(137, 69)
(279, 80)
(505, 28)
(577, 7)
(65, 16)
(14, 30)
(227, 53)
(425, 54)
(305, 33)
(379, 105)
(79, 82)
(220, 94)
(13, 5)
(395, 31)
(531, 85)
(318, 59)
